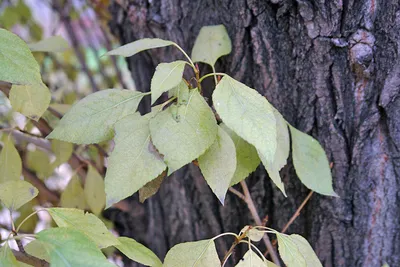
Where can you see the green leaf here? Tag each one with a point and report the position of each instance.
(129, 164)
(151, 188)
(69, 247)
(17, 64)
(281, 154)
(62, 150)
(87, 223)
(211, 43)
(10, 162)
(39, 161)
(251, 259)
(199, 253)
(31, 100)
(137, 252)
(7, 258)
(296, 251)
(247, 158)
(311, 163)
(182, 133)
(181, 91)
(91, 120)
(24, 211)
(38, 250)
(52, 44)
(248, 114)
(166, 77)
(218, 164)
(255, 235)
(14, 194)
(94, 191)
(139, 46)
(73, 195)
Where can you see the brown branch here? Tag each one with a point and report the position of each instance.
(237, 193)
(44, 192)
(29, 259)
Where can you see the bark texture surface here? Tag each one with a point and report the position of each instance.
(332, 68)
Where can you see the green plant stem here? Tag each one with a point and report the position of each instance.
(186, 55)
(215, 75)
(211, 74)
(27, 218)
(12, 221)
(225, 234)
(19, 237)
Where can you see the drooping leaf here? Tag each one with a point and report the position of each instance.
(62, 150)
(311, 163)
(73, 195)
(10, 162)
(255, 234)
(247, 158)
(151, 188)
(134, 161)
(17, 64)
(91, 120)
(248, 114)
(218, 164)
(95, 191)
(87, 223)
(166, 77)
(31, 100)
(7, 258)
(137, 252)
(251, 259)
(181, 91)
(14, 194)
(38, 250)
(296, 251)
(199, 253)
(211, 43)
(52, 44)
(70, 247)
(138, 46)
(182, 133)
(24, 211)
(39, 162)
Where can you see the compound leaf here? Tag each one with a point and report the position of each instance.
(138, 46)
(10, 162)
(14, 194)
(137, 252)
(52, 44)
(95, 191)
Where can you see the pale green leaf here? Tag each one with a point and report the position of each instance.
(151, 188)
(73, 195)
(134, 161)
(251, 259)
(30, 100)
(248, 114)
(200, 254)
(255, 234)
(295, 251)
(182, 133)
(39, 162)
(181, 91)
(10, 162)
(62, 150)
(17, 64)
(218, 164)
(311, 163)
(87, 223)
(69, 247)
(138, 46)
(14, 194)
(52, 44)
(137, 252)
(94, 191)
(166, 77)
(91, 120)
(247, 158)
(60, 108)
(7, 258)
(38, 250)
(24, 211)
(211, 43)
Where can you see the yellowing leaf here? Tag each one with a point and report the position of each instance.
(87, 223)
(218, 164)
(30, 100)
(138, 46)
(255, 235)
(14, 194)
(251, 259)
(211, 43)
(39, 162)
(69, 247)
(182, 133)
(311, 163)
(17, 64)
(166, 77)
(200, 253)
(151, 188)
(62, 150)
(134, 161)
(137, 252)
(247, 158)
(52, 44)
(10, 162)
(248, 114)
(73, 195)
(91, 120)
(94, 191)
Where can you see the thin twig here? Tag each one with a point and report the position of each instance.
(256, 217)
(29, 259)
(237, 193)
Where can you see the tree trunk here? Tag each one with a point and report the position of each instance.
(332, 68)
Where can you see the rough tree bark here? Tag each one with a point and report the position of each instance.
(332, 68)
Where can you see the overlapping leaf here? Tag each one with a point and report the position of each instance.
(138, 46)
(7, 258)
(73, 195)
(181, 91)
(52, 44)
(137, 252)
(14, 194)
(10, 162)
(251, 259)
(62, 150)
(95, 191)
